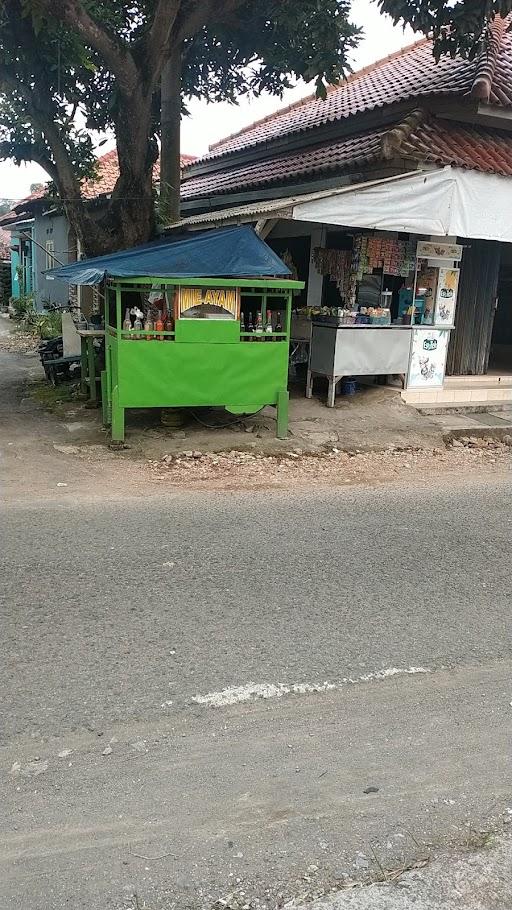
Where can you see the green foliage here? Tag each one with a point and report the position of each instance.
(458, 27)
(48, 325)
(44, 325)
(45, 68)
(22, 307)
(268, 46)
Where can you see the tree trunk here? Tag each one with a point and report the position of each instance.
(127, 218)
(170, 169)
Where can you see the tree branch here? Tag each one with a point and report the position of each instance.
(203, 12)
(43, 121)
(10, 83)
(160, 34)
(117, 58)
(25, 151)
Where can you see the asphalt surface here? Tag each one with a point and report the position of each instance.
(122, 790)
(375, 620)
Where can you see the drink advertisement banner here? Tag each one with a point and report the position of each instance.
(428, 249)
(428, 358)
(446, 297)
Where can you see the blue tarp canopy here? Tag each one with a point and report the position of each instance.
(232, 252)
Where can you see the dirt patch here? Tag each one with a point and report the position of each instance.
(16, 342)
(239, 470)
(53, 398)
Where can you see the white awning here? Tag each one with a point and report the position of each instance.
(449, 202)
(442, 202)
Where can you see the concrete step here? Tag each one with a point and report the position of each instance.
(478, 382)
(459, 397)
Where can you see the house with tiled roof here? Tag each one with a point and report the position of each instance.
(42, 237)
(406, 146)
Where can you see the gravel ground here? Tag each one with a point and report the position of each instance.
(473, 880)
(16, 342)
(333, 468)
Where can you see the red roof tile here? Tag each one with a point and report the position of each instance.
(108, 172)
(408, 74)
(347, 153)
(416, 138)
(5, 244)
(468, 147)
(493, 75)
(102, 184)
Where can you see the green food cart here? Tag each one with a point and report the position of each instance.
(211, 328)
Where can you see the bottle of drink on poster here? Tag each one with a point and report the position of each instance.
(268, 325)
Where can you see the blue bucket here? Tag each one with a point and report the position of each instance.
(348, 387)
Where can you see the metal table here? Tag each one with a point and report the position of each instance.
(356, 350)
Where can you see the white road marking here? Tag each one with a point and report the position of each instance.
(236, 694)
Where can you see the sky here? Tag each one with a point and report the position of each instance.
(208, 123)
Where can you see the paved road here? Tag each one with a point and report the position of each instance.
(117, 621)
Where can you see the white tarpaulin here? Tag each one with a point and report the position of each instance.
(449, 202)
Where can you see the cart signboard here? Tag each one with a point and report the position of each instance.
(208, 303)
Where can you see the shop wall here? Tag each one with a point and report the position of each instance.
(468, 354)
(54, 229)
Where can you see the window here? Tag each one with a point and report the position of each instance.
(50, 254)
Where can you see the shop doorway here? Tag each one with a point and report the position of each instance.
(500, 355)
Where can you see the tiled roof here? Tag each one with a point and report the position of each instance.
(5, 244)
(347, 153)
(411, 73)
(108, 172)
(469, 147)
(102, 184)
(493, 75)
(417, 138)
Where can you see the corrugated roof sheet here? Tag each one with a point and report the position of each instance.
(274, 208)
